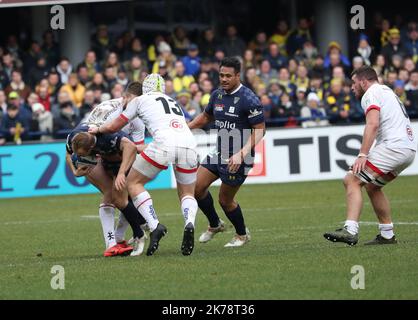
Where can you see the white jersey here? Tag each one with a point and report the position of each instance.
(163, 118)
(111, 109)
(395, 131)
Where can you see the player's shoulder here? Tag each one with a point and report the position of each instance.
(249, 96)
(372, 93)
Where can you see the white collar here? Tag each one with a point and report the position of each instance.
(236, 90)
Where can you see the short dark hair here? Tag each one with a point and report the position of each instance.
(365, 72)
(231, 62)
(134, 88)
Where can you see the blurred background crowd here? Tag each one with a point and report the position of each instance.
(43, 94)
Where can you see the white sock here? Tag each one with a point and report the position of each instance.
(107, 218)
(143, 203)
(121, 227)
(351, 226)
(386, 230)
(189, 209)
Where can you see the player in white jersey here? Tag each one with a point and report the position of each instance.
(98, 174)
(173, 143)
(396, 144)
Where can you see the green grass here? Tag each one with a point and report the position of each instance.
(288, 258)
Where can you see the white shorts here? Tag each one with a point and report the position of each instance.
(384, 164)
(156, 158)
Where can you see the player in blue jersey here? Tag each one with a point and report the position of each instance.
(239, 119)
(117, 153)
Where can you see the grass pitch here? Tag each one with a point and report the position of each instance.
(288, 258)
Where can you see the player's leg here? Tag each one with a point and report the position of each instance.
(205, 177)
(234, 214)
(145, 169)
(103, 182)
(185, 173)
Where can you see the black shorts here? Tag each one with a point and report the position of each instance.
(111, 166)
(221, 171)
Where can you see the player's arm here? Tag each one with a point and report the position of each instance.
(128, 149)
(111, 127)
(201, 120)
(369, 135)
(79, 171)
(257, 134)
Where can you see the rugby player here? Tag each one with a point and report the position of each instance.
(237, 113)
(388, 123)
(173, 143)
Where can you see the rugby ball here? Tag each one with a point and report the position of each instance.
(83, 161)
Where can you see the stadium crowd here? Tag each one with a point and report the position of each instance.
(43, 94)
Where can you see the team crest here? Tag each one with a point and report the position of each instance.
(219, 95)
(236, 99)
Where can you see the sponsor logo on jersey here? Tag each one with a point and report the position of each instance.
(175, 124)
(231, 109)
(409, 132)
(219, 107)
(254, 113)
(224, 124)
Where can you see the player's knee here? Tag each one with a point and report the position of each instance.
(199, 192)
(350, 180)
(225, 202)
(119, 202)
(371, 188)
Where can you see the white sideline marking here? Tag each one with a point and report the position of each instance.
(371, 223)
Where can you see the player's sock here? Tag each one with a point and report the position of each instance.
(386, 230)
(107, 218)
(207, 207)
(143, 203)
(189, 209)
(237, 219)
(121, 228)
(131, 214)
(141, 218)
(351, 226)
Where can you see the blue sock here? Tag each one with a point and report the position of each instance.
(237, 219)
(207, 207)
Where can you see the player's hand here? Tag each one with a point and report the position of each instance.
(234, 162)
(82, 171)
(359, 164)
(93, 129)
(120, 182)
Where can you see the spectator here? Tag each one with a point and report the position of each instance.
(75, 90)
(54, 85)
(364, 49)
(112, 61)
(208, 43)
(99, 83)
(136, 50)
(233, 44)
(385, 33)
(338, 103)
(101, 42)
(3, 103)
(8, 66)
(191, 107)
(169, 89)
(403, 75)
(284, 80)
(181, 81)
(301, 80)
(315, 115)
(248, 60)
(134, 68)
(166, 56)
(411, 45)
(396, 63)
(90, 62)
(209, 67)
(39, 72)
(391, 77)
(300, 97)
(180, 41)
(122, 78)
(267, 106)
(308, 54)
(43, 98)
(119, 47)
(358, 62)
(411, 89)
(280, 36)
(399, 89)
(266, 73)
(18, 85)
(286, 108)
(394, 46)
(259, 46)
(409, 64)
(50, 48)
(117, 91)
(274, 91)
(64, 69)
(334, 52)
(43, 120)
(83, 74)
(31, 57)
(192, 61)
(15, 125)
(380, 65)
(298, 37)
(66, 120)
(276, 59)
